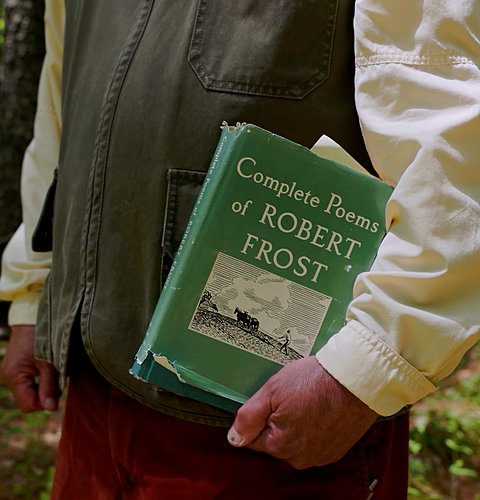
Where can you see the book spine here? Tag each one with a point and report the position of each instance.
(200, 210)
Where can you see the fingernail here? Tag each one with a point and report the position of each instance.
(50, 404)
(234, 437)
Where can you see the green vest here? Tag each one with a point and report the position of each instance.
(146, 85)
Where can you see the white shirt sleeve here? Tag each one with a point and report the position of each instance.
(24, 271)
(416, 312)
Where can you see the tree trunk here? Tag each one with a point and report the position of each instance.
(22, 55)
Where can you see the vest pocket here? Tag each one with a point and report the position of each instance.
(183, 187)
(276, 48)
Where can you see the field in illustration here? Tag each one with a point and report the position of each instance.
(260, 312)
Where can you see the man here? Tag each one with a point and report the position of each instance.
(145, 84)
(285, 339)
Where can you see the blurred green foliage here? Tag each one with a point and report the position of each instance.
(27, 451)
(445, 439)
(2, 26)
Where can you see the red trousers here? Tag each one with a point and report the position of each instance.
(113, 447)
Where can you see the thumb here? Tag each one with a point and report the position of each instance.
(251, 419)
(48, 387)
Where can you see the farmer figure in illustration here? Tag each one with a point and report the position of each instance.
(285, 338)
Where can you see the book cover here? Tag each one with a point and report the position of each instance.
(265, 270)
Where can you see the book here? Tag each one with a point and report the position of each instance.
(266, 267)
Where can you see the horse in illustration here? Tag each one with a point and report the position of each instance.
(243, 318)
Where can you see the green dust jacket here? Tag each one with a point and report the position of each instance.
(265, 270)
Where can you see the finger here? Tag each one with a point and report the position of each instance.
(25, 393)
(265, 442)
(251, 419)
(48, 386)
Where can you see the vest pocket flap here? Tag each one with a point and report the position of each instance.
(275, 48)
(42, 239)
(182, 191)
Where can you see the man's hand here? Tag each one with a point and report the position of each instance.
(302, 415)
(20, 371)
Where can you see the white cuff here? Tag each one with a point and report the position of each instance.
(23, 311)
(372, 371)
